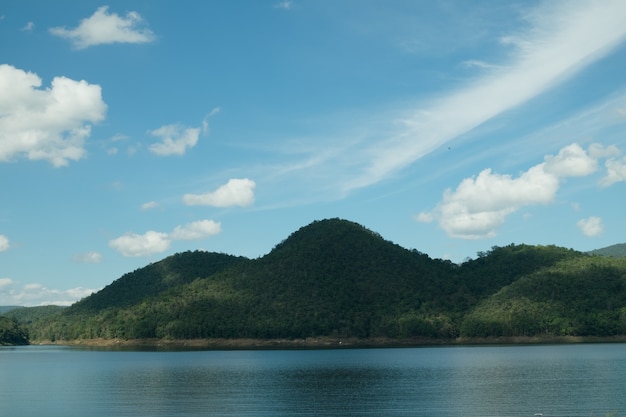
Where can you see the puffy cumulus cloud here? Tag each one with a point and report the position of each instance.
(616, 172)
(105, 28)
(34, 294)
(572, 161)
(132, 244)
(4, 243)
(88, 258)
(591, 226)
(480, 205)
(196, 230)
(151, 242)
(175, 140)
(236, 192)
(50, 124)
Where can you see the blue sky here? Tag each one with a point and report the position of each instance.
(132, 130)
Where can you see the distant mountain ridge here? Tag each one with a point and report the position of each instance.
(616, 251)
(336, 278)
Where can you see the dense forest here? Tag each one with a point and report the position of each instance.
(336, 278)
(11, 333)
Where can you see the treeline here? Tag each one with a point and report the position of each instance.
(337, 278)
(11, 333)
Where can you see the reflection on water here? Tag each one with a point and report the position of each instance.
(573, 380)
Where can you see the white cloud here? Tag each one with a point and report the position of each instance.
(149, 205)
(616, 172)
(196, 230)
(33, 294)
(88, 258)
(562, 38)
(597, 151)
(4, 243)
(50, 124)
(28, 27)
(106, 28)
(571, 161)
(236, 192)
(480, 205)
(285, 5)
(132, 244)
(475, 63)
(151, 242)
(591, 226)
(175, 140)
(205, 121)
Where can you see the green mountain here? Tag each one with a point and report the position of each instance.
(336, 278)
(581, 296)
(156, 278)
(616, 251)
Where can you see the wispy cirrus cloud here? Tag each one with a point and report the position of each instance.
(284, 4)
(104, 27)
(559, 40)
(562, 38)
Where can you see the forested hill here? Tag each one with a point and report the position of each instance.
(336, 278)
(616, 251)
(154, 279)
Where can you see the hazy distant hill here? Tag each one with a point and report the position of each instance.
(4, 309)
(26, 315)
(337, 278)
(616, 251)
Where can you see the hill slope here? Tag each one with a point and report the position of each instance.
(331, 278)
(616, 251)
(582, 296)
(150, 281)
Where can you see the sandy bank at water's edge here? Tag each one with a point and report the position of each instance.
(323, 342)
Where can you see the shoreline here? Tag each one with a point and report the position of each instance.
(322, 342)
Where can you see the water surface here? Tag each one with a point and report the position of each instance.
(565, 380)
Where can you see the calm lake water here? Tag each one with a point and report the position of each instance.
(570, 380)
